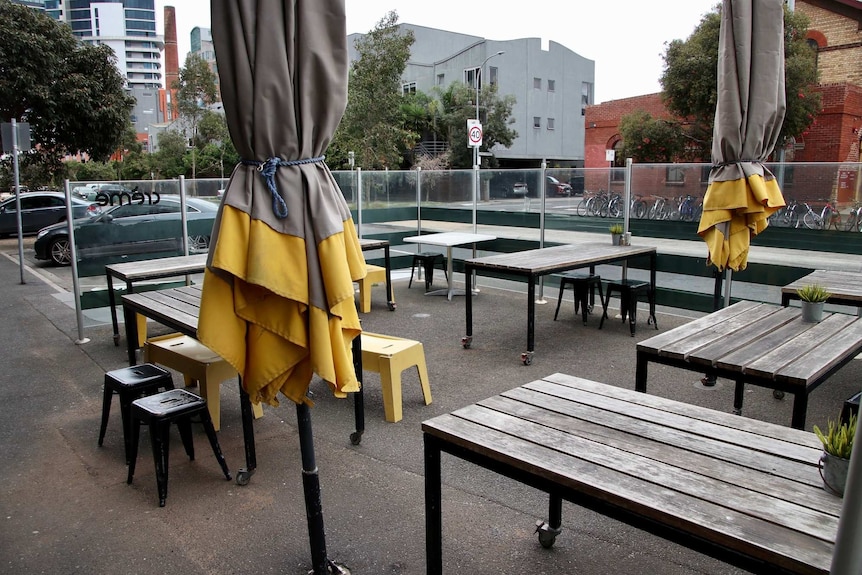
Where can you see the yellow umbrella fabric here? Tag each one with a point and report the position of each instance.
(750, 108)
(278, 295)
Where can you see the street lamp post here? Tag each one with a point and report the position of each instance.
(478, 76)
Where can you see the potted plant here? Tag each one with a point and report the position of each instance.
(616, 233)
(837, 447)
(813, 297)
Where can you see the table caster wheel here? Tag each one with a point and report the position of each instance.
(527, 358)
(392, 306)
(547, 534)
(117, 340)
(243, 476)
(466, 341)
(777, 394)
(356, 438)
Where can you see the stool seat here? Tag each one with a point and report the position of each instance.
(426, 261)
(374, 275)
(199, 365)
(389, 356)
(629, 290)
(131, 383)
(584, 286)
(158, 412)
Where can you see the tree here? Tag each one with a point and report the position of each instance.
(70, 93)
(196, 89)
(690, 85)
(372, 126)
(652, 140)
(459, 105)
(218, 149)
(169, 157)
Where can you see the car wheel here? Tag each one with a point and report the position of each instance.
(199, 244)
(61, 251)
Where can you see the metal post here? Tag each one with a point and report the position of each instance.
(359, 201)
(73, 255)
(542, 194)
(18, 198)
(628, 195)
(183, 221)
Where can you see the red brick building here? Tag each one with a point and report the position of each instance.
(836, 30)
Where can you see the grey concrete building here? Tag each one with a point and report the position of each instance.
(552, 86)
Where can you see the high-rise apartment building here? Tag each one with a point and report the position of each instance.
(127, 26)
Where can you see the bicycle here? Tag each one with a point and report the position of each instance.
(827, 218)
(638, 208)
(854, 219)
(659, 210)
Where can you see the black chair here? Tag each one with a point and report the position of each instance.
(158, 412)
(584, 287)
(629, 291)
(131, 383)
(427, 260)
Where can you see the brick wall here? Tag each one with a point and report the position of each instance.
(840, 60)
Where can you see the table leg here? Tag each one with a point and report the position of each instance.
(243, 476)
(641, 371)
(433, 511)
(652, 273)
(467, 340)
(112, 303)
(527, 356)
(131, 322)
(800, 407)
(388, 264)
(450, 271)
(785, 299)
(738, 396)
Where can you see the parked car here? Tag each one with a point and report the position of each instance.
(520, 189)
(131, 232)
(40, 209)
(556, 188)
(91, 192)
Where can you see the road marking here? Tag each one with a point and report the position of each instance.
(45, 279)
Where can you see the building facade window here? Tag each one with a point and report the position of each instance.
(408, 88)
(586, 96)
(441, 79)
(493, 73)
(537, 122)
(471, 77)
(552, 84)
(550, 123)
(674, 175)
(537, 83)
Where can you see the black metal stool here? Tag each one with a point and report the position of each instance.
(584, 287)
(159, 411)
(131, 383)
(629, 291)
(427, 260)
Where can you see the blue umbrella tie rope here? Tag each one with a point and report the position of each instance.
(268, 168)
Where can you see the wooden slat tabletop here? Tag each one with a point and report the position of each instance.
(157, 268)
(557, 258)
(846, 286)
(743, 485)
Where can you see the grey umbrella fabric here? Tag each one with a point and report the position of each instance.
(749, 113)
(278, 296)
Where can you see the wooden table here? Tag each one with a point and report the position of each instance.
(845, 287)
(145, 270)
(539, 262)
(744, 491)
(449, 240)
(368, 244)
(761, 344)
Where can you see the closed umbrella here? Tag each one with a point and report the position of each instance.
(278, 296)
(742, 192)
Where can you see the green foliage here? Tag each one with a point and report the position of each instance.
(170, 155)
(458, 104)
(616, 228)
(196, 89)
(648, 139)
(838, 439)
(689, 82)
(813, 293)
(373, 123)
(70, 93)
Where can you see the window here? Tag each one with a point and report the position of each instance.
(408, 88)
(492, 75)
(618, 173)
(471, 76)
(537, 83)
(550, 123)
(551, 85)
(586, 97)
(675, 175)
(537, 122)
(440, 79)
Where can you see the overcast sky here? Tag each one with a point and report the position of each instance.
(625, 38)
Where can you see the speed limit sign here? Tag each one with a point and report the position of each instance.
(474, 133)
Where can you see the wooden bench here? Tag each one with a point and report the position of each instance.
(744, 491)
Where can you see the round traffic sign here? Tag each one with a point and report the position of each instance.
(476, 135)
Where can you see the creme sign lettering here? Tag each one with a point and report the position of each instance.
(105, 199)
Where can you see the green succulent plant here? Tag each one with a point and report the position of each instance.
(813, 293)
(838, 439)
(616, 229)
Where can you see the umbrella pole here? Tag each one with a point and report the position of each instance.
(359, 396)
(311, 488)
(243, 476)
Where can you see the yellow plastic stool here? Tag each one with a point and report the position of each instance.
(389, 356)
(375, 275)
(199, 365)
